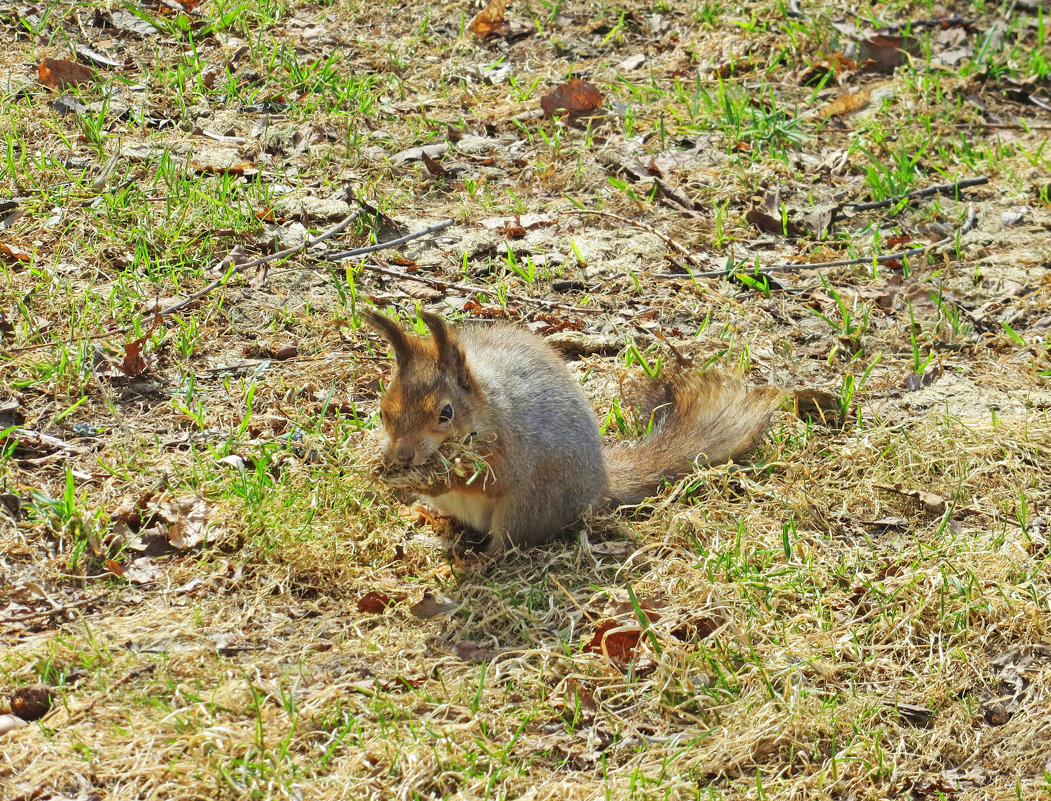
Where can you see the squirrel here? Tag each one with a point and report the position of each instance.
(547, 462)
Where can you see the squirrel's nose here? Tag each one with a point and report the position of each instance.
(404, 453)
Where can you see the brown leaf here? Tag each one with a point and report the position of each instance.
(614, 641)
(473, 653)
(695, 628)
(676, 198)
(375, 603)
(820, 218)
(884, 52)
(133, 363)
(431, 605)
(575, 96)
(12, 253)
(935, 504)
(490, 20)
(58, 73)
(140, 571)
(287, 351)
(577, 692)
(434, 167)
(191, 524)
(419, 290)
(846, 104)
(766, 222)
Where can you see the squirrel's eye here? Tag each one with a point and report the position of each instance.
(446, 415)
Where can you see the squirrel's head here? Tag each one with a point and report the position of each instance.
(432, 395)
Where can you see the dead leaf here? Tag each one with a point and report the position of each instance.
(614, 641)
(769, 224)
(935, 504)
(473, 653)
(947, 783)
(133, 363)
(419, 290)
(820, 218)
(575, 96)
(914, 382)
(692, 629)
(12, 254)
(884, 52)
(417, 153)
(140, 571)
(59, 73)
(432, 605)
(916, 715)
(632, 62)
(490, 20)
(284, 352)
(577, 692)
(209, 160)
(434, 167)
(676, 198)
(191, 525)
(96, 58)
(375, 603)
(126, 21)
(846, 104)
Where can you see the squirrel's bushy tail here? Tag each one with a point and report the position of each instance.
(708, 417)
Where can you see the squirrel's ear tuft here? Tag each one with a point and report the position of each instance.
(391, 332)
(450, 354)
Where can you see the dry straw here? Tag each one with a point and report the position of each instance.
(460, 461)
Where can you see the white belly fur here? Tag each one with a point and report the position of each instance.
(474, 510)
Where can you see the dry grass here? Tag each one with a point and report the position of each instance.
(859, 613)
(464, 459)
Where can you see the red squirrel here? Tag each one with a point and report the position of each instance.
(547, 463)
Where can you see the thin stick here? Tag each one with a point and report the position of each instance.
(1006, 126)
(35, 439)
(685, 251)
(474, 290)
(347, 254)
(937, 189)
(933, 22)
(58, 610)
(248, 265)
(306, 243)
(821, 265)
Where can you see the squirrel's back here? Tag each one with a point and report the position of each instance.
(538, 408)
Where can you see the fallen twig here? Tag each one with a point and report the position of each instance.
(821, 265)
(248, 265)
(57, 610)
(240, 268)
(937, 189)
(36, 440)
(347, 254)
(932, 22)
(1006, 126)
